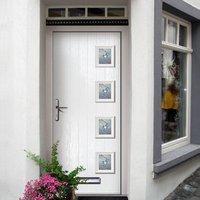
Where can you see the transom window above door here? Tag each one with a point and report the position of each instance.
(176, 82)
(87, 12)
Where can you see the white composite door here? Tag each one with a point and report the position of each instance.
(86, 80)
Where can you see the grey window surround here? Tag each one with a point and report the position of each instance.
(192, 14)
(174, 158)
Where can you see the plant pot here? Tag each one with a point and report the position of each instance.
(72, 195)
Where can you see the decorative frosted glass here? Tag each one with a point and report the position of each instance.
(172, 32)
(116, 12)
(56, 12)
(163, 29)
(76, 12)
(183, 36)
(174, 95)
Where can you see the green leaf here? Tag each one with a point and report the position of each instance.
(55, 168)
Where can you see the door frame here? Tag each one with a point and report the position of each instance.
(124, 35)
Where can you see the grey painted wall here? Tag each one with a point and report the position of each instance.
(195, 99)
(157, 81)
(182, 9)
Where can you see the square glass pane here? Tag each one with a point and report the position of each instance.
(172, 32)
(56, 12)
(96, 12)
(163, 29)
(183, 36)
(116, 12)
(76, 12)
(174, 95)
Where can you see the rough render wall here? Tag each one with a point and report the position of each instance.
(85, 2)
(19, 88)
(142, 186)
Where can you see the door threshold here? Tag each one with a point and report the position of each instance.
(112, 195)
(102, 197)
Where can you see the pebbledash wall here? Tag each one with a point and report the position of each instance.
(22, 116)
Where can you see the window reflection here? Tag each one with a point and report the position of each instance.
(116, 12)
(76, 12)
(56, 12)
(183, 36)
(172, 32)
(173, 95)
(96, 12)
(163, 28)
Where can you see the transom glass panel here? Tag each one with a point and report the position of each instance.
(87, 12)
(172, 32)
(183, 36)
(56, 12)
(116, 12)
(163, 29)
(96, 12)
(76, 12)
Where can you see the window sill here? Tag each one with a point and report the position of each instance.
(176, 157)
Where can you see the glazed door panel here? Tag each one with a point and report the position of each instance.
(76, 80)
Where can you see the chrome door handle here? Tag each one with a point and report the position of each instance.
(58, 109)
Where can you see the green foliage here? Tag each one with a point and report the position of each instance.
(73, 178)
(55, 168)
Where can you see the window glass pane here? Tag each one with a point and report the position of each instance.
(174, 93)
(172, 32)
(163, 28)
(76, 12)
(183, 36)
(56, 12)
(116, 12)
(96, 12)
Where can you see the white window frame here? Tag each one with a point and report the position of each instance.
(169, 146)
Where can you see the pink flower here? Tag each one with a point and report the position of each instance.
(44, 188)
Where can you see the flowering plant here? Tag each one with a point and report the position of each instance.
(46, 187)
(55, 183)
